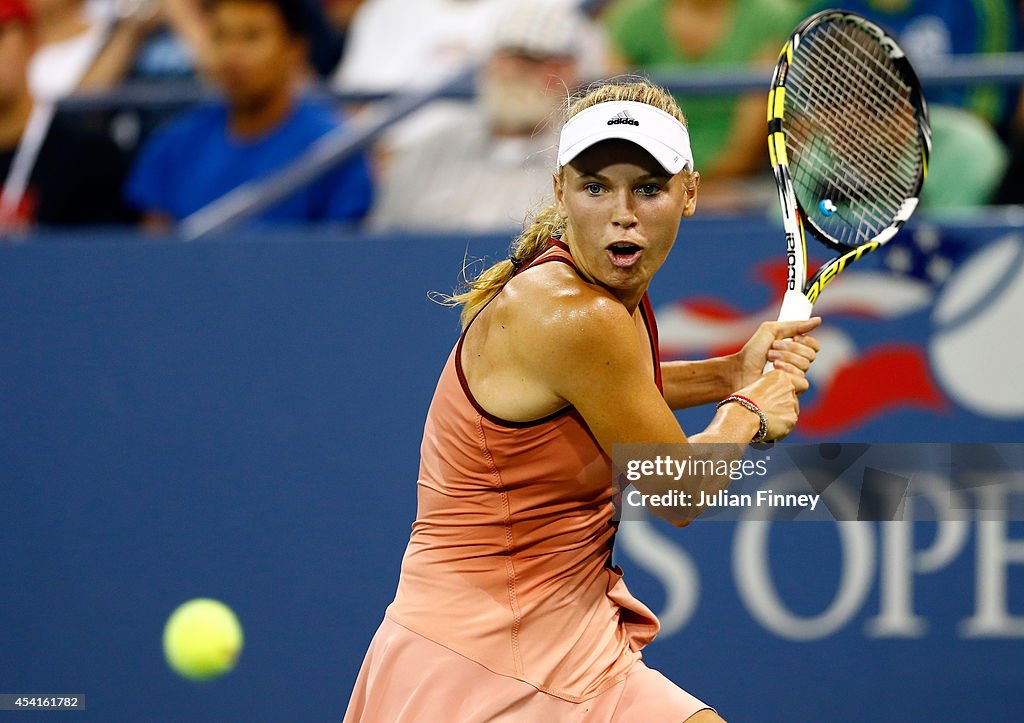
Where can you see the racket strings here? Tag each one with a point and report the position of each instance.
(883, 111)
(870, 51)
(894, 109)
(843, 104)
(852, 130)
(849, 183)
(857, 100)
(865, 94)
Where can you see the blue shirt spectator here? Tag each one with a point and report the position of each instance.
(194, 160)
(258, 56)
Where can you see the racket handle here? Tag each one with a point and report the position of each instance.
(795, 307)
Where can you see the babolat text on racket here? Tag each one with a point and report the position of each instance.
(849, 141)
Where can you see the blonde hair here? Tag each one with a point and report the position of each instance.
(547, 222)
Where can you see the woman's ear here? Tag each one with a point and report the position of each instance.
(556, 183)
(690, 196)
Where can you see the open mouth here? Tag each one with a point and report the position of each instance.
(624, 254)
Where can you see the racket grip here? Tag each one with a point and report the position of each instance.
(795, 307)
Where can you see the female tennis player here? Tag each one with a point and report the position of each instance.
(509, 607)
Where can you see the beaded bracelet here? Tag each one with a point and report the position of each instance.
(762, 431)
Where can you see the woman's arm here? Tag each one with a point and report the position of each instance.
(693, 383)
(588, 353)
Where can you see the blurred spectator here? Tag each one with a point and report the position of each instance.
(339, 14)
(968, 158)
(259, 50)
(325, 42)
(1011, 190)
(96, 44)
(178, 47)
(68, 43)
(728, 132)
(169, 41)
(397, 44)
(504, 142)
(931, 31)
(66, 176)
(259, 53)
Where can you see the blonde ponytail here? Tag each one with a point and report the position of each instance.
(479, 292)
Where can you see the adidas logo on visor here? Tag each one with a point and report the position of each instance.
(623, 118)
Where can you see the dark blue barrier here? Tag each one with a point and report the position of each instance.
(240, 419)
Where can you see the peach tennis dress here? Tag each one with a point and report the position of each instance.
(508, 607)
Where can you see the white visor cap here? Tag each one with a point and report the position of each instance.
(654, 130)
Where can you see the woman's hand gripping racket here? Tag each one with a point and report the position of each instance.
(849, 140)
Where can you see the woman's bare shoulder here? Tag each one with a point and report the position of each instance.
(553, 296)
(555, 322)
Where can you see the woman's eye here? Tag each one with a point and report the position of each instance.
(649, 189)
(592, 188)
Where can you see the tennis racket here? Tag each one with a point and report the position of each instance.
(849, 141)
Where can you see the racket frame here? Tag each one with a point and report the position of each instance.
(801, 292)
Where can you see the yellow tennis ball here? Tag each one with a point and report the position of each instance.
(202, 639)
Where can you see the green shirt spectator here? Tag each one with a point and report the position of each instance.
(671, 35)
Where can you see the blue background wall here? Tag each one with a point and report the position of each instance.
(240, 419)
